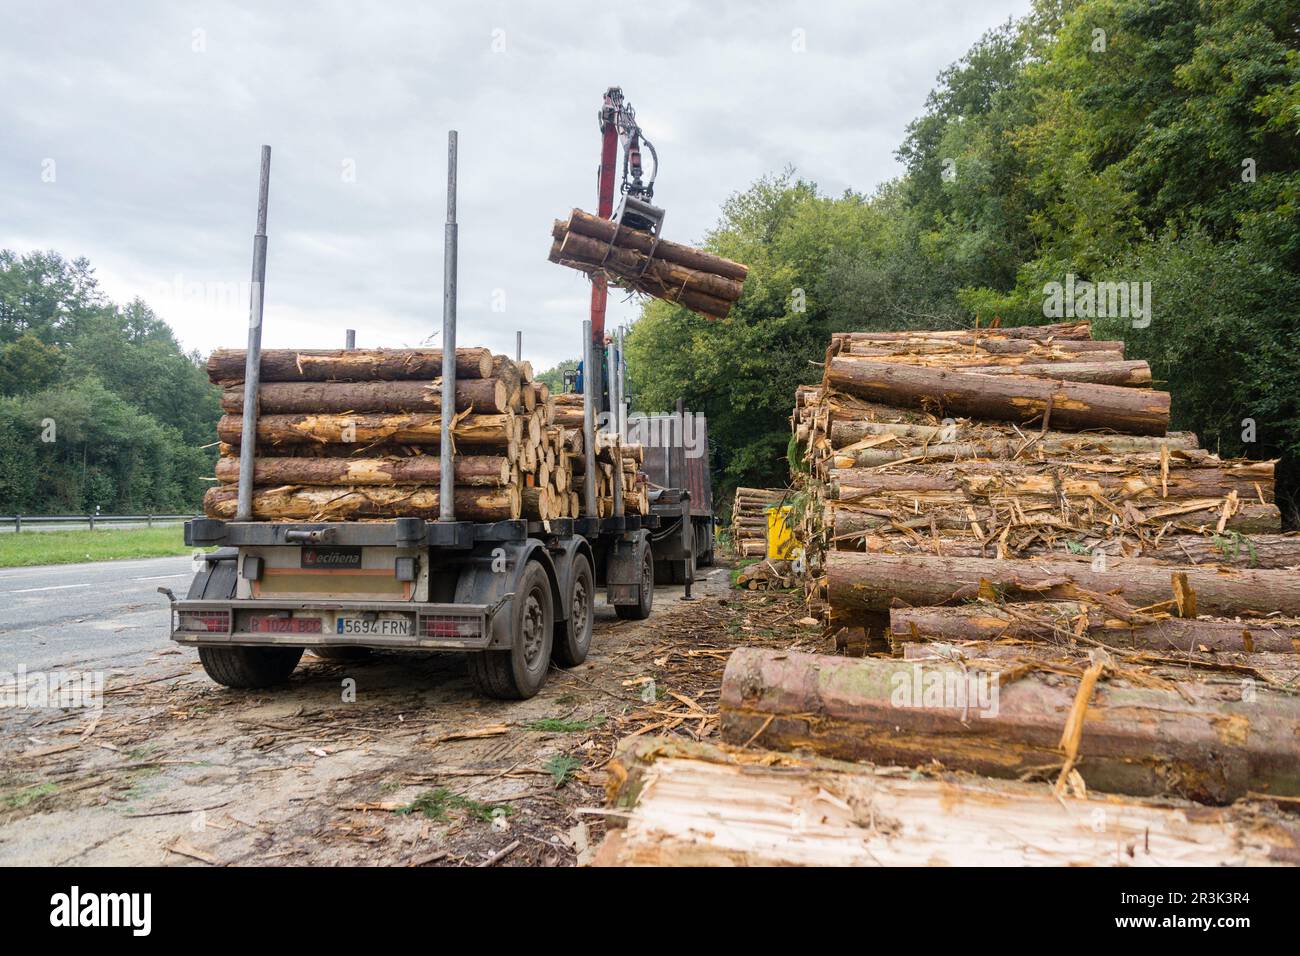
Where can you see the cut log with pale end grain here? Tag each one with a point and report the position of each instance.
(470, 471)
(482, 395)
(678, 803)
(536, 503)
(315, 503)
(1057, 622)
(347, 365)
(411, 428)
(1198, 740)
(876, 582)
(1073, 405)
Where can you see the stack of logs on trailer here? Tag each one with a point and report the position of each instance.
(1008, 506)
(354, 434)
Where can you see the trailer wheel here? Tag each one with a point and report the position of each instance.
(343, 653)
(641, 610)
(573, 637)
(520, 672)
(247, 668)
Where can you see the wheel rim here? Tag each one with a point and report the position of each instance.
(534, 626)
(580, 608)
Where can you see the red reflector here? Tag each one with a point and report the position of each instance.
(450, 626)
(203, 621)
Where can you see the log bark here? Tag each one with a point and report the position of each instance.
(1029, 447)
(710, 306)
(679, 803)
(470, 471)
(1005, 397)
(1205, 743)
(596, 227)
(874, 582)
(482, 395)
(669, 275)
(315, 503)
(883, 516)
(410, 428)
(1128, 374)
(347, 365)
(1055, 330)
(1054, 621)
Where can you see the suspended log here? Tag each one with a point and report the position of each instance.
(668, 274)
(483, 395)
(709, 306)
(596, 227)
(314, 503)
(1202, 741)
(1056, 622)
(874, 582)
(347, 365)
(470, 471)
(412, 428)
(1005, 397)
(678, 803)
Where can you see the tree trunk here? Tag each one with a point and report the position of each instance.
(482, 395)
(315, 503)
(1208, 745)
(1055, 621)
(1005, 397)
(1017, 448)
(410, 428)
(470, 471)
(347, 365)
(873, 582)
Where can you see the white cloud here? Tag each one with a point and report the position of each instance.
(156, 145)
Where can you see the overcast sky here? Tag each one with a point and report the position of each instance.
(131, 135)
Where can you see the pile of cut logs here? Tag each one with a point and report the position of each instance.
(354, 434)
(990, 502)
(638, 261)
(749, 519)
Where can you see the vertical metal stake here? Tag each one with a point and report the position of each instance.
(519, 345)
(446, 458)
(253, 360)
(589, 421)
(350, 339)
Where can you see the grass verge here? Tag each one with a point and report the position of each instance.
(70, 547)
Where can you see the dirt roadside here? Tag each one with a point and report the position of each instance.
(417, 770)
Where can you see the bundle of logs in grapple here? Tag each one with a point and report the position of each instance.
(1025, 461)
(641, 262)
(355, 434)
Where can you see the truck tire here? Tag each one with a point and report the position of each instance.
(343, 653)
(573, 637)
(520, 672)
(641, 610)
(248, 668)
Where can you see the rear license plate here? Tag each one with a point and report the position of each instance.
(267, 624)
(384, 627)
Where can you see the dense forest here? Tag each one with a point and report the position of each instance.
(1147, 141)
(99, 406)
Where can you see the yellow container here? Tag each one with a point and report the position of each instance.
(780, 537)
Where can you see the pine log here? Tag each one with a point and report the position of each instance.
(707, 305)
(1045, 362)
(1055, 621)
(536, 503)
(470, 471)
(482, 395)
(1081, 350)
(1123, 373)
(874, 582)
(1005, 397)
(1202, 741)
(315, 503)
(597, 227)
(1055, 330)
(347, 365)
(412, 428)
(883, 515)
(1028, 447)
(668, 275)
(680, 803)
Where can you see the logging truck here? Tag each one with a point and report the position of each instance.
(515, 594)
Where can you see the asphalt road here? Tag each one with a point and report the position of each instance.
(60, 615)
